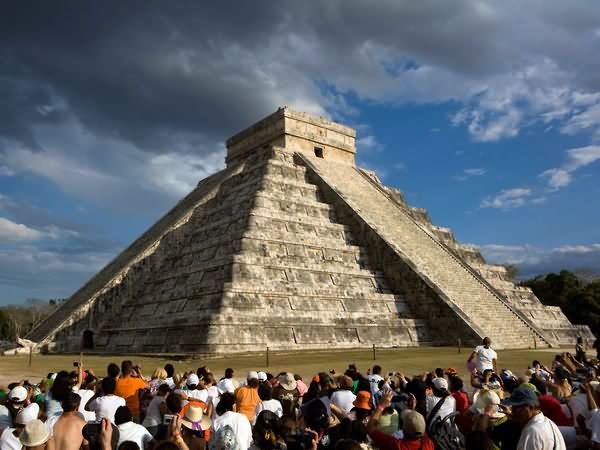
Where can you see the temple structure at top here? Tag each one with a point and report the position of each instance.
(292, 246)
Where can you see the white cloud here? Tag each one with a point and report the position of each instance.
(576, 158)
(14, 232)
(112, 172)
(533, 260)
(368, 144)
(476, 172)
(468, 173)
(508, 199)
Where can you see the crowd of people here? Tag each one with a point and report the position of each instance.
(537, 408)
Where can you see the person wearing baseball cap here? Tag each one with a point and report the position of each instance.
(246, 397)
(413, 427)
(440, 394)
(538, 432)
(9, 437)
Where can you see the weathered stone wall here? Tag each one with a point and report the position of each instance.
(297, 248)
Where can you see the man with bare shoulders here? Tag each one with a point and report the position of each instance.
(67, 429)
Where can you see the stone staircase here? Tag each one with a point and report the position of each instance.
(460, 285)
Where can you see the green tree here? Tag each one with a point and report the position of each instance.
(579, 301)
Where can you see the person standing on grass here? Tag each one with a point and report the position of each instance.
(486, 356)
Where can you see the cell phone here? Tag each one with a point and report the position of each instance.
(168, 418)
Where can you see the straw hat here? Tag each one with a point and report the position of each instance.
(194, 419)
(34, 434)
(287, 381)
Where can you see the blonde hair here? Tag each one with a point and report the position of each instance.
(159, 373)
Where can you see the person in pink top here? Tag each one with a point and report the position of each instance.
(300, 385)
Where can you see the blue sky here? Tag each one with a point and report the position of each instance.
(485, 113)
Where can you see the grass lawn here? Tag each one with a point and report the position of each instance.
(408, 360)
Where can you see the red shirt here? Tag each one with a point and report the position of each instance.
(553, 411)
(464, 422)
(385, 441)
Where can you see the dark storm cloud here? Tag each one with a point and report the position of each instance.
(183, 75)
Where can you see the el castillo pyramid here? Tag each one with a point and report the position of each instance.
(292, 246)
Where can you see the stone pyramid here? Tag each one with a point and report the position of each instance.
(292, 246)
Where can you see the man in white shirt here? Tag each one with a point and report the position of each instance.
(374, 380)
(239, 423)
(106, 405)
(486, 356)
(539, 432)
(130, 431)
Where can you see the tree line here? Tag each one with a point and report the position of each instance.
(577, 297)
(18, 320)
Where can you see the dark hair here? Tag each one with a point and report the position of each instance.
(61, 386)
(166, 445)
(108, 385)
(455, 383)
(376, 370)
(267, 430)
(226, 403)
(128, 445)
(71, 402)
(127, 367)
(439, 372)
(163, 389)
(169, 369)
(173, 402)
(265, 392)
(536, 363)
(113, 370)
(202, 372)
(253, 383)
(315, 415)
(297, 377)
(228, 372)
(539, 384)
(122, 415)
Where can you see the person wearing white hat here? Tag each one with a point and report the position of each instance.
(9, 439)
(441, 395)
(36, 436)
(246, 397)
(262, 377)
(194, 390)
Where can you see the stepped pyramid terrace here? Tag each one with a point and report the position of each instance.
(292, 246)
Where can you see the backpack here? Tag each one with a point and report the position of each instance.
(443, 431)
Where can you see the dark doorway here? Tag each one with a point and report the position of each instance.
(88, 340)
(318, 152)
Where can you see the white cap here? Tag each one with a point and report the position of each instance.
(192, 379)
(262, 376)
(440, 383)
(28, 414)
(18, 394)
(252, 375)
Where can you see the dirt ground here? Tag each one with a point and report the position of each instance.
(410, 361)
